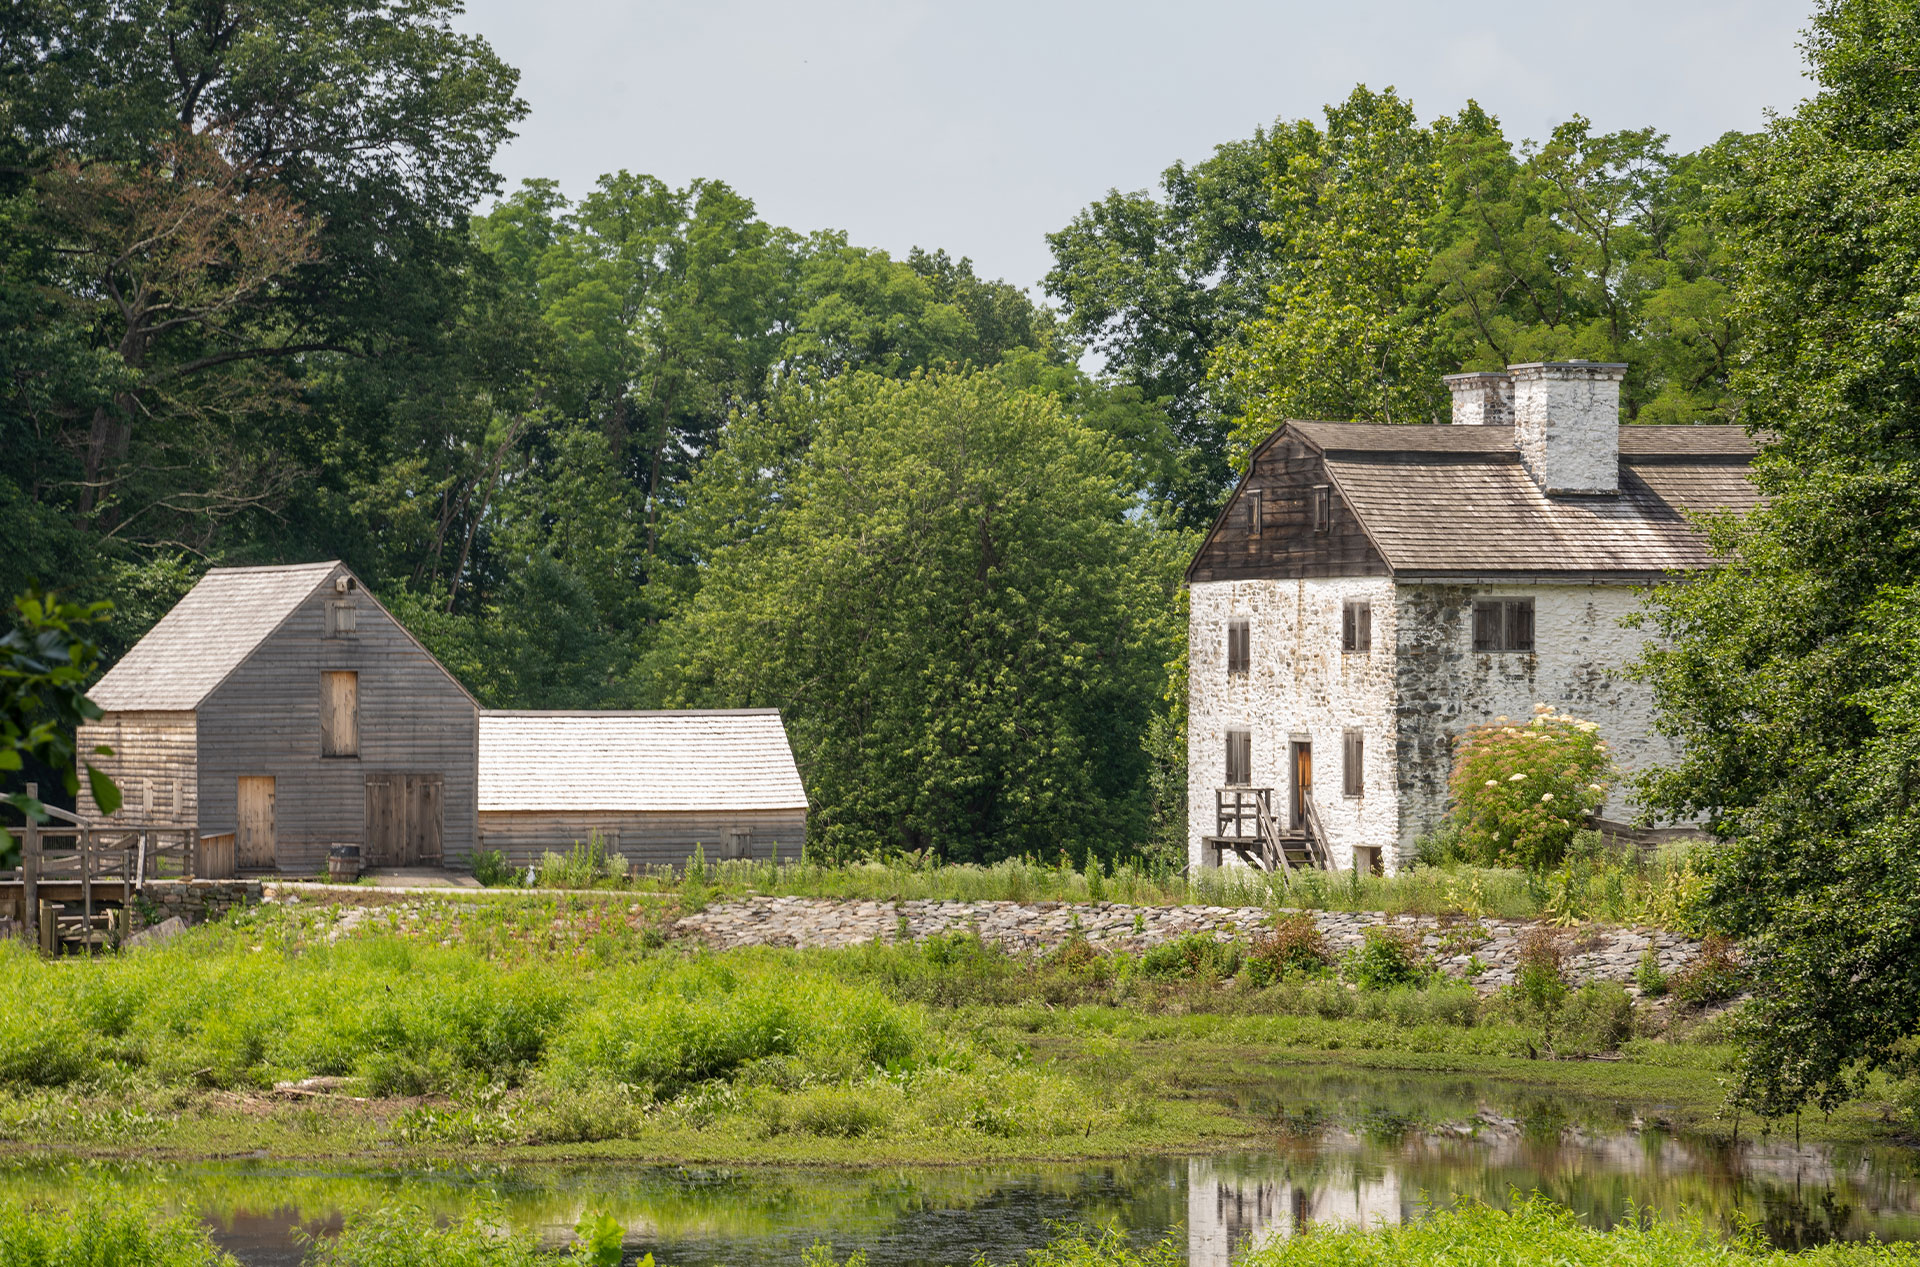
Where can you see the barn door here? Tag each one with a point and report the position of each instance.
(253, 822)
(405, 813)
(386, 821)
(424, 795)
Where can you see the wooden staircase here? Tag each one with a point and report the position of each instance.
(1245, 825)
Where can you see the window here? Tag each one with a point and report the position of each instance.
(1239, 758)
(1353, 755)
(340, 714)
(1253, 513)
(1356, 626)
(1239, 646)
(1503, 624)
(1322, 508)
(342, 618)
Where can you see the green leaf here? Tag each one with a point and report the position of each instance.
(106, 794)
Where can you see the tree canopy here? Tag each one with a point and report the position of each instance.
(1791, 671)
(965, 629)
(1337, 269)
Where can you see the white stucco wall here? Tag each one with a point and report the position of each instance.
(1300, 685)
(1443, 686)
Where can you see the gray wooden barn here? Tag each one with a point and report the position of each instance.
(286, 705)
(652, 785)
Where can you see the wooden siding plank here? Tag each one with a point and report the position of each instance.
(1282, 486)
(266, 719)
(644, 839)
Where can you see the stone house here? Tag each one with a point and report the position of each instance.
(1370, 591)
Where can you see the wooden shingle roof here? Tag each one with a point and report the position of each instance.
(1446, 501)
(732, 759)
(206, 636)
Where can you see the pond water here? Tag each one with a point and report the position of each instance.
(1345, 1148)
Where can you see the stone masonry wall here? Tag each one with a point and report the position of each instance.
(1606, 954)
(1581, 652)
(1299, 685)
(194, 901)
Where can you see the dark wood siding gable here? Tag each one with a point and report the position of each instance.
(1286, 484)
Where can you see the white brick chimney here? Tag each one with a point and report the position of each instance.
(1483, 399)
(1566, 423)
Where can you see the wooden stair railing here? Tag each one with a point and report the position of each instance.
(1317, 836)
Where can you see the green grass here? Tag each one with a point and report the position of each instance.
(1538, 1231)
(95, 1231)
(1618, 890)
(540, 1026)
(100, 1229)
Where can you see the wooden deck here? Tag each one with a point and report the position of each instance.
(68, 863)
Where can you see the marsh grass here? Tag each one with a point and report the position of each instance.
(1538, 1231)
(1611, 887)
(101, 1229)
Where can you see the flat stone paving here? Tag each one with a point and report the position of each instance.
(1605, 953)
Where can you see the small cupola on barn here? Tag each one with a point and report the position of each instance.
(1565, 417)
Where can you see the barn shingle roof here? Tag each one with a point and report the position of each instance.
(1444, 501)
(206, 636)
(736, 759)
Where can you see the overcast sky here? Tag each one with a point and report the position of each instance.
(981, 126)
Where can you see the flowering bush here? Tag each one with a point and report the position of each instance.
(1522, 789)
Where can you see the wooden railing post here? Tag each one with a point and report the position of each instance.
(30, 871)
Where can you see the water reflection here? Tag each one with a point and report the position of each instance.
(1799, 1196)
(1345, 1149)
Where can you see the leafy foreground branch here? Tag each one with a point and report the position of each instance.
(97, 1232)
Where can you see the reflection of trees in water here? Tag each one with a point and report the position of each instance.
(1798, 1196)
(1383, 1160)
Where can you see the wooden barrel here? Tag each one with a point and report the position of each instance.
(343, 864)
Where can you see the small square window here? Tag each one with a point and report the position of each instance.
(1503, 624)
(342, 618)
(1239, 647)
(1356, 626)
(1239, 758)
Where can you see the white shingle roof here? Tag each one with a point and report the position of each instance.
(690, 760)
(206, 636)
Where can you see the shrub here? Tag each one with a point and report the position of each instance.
(1540, 977)
(490, 868)
(1386, 958)
(581, 867)
(1597, 1017)
(1191, 956)
(1521, 791)
(410, 1237)
(1293, 947)
(1713, 977)
(1648, 974)
(102, 1231)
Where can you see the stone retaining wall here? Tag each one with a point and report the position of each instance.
(1606, 954)
(194, 901)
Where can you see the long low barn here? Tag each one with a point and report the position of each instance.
(652, 785)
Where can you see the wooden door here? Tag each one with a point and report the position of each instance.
(405, 817)
(253, 822)
(425, 795)
(386, 821)
(1302, 782)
